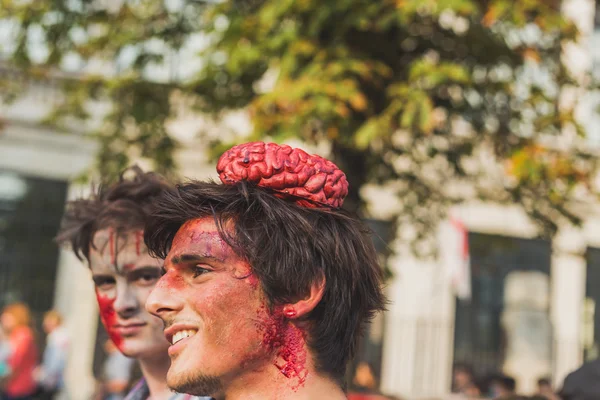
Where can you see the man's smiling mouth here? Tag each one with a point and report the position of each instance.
(183, 334)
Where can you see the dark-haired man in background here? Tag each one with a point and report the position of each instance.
(268, 284)
(106, 229)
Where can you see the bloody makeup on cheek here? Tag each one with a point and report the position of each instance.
(252, 280)
(244, 272)
(109, 317)
(172, 282)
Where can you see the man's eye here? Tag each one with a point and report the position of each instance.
(148, 277)
(104, 283)
(198, 270)
(163, 271)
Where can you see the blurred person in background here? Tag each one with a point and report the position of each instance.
(16, 321)
(50, 374)
(365, 384)
(545, 389)
(106, 230)
(463, 382)
(503, 387)
(5, 352)
(116, 373)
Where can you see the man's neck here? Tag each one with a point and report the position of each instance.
(155, 370)
(272, 384)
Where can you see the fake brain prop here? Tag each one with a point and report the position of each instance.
(291, 173)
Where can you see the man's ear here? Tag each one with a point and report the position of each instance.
(304, 306)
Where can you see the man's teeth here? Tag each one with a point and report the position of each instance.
(182, 335)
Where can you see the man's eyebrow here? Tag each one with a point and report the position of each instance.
(188, 258)
(143, 269)
(100, 275)
(100, 278)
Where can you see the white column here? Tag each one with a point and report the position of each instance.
(417, 348)
(74, 298)
(568, 292)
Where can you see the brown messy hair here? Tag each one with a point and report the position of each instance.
(122, 206)
(289, 248)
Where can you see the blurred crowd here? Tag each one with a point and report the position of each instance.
(23, 375)
(26, 373)
(582, 384)
(466, 385)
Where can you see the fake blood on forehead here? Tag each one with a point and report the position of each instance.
(211, 242)
(113, 238)
(287, 342)
(108, 316)
(193, 237)
(138, 242)
(111, 246)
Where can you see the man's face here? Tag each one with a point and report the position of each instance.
(214, 312)
(124, 274)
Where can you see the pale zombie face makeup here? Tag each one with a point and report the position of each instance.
(217, 319)
(124, 275)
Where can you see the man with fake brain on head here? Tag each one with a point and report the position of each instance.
(267, 283)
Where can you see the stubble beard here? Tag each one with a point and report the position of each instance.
(195, 384)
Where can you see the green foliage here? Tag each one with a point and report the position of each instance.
(416, 92)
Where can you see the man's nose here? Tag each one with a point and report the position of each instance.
(164, 299)
(126, 303)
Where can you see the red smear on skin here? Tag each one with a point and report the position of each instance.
(196, 240)
(247, 274)
(138, 242)
(287, 341)
(252, 280)
(213, 244)
(128, 267)
(173, 283)
(111, 246)
(108, 316)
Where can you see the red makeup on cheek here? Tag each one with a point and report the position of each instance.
(287, 341)
(109, 317)
(253, 281)
(246, 273)
(173, 281)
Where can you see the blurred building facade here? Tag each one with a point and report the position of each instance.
(516, 304)
(498, 298)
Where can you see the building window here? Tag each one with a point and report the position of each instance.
(509, 308)
(30, 214)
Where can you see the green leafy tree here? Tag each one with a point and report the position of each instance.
(440, 99)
